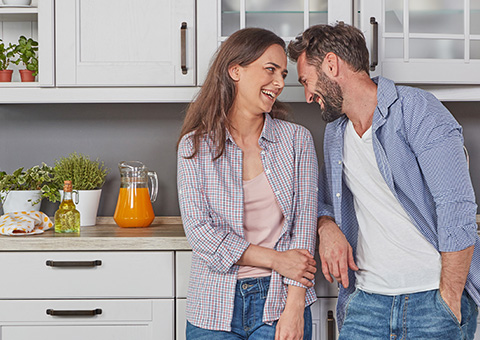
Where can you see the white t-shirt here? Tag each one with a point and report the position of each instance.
(392, 255)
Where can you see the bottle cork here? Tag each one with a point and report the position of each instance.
(67, 186)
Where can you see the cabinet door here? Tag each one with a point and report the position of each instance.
(324, 319)
(218, 19)
(424, 41)
(181, 321)
(183, 262)
(125, 43)
(477, 334)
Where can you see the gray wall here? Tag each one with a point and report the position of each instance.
(31, 134)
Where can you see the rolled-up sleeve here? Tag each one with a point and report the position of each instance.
(438, 144)
(219, 246)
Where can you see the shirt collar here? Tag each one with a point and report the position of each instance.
(268, 131)
(386, 94)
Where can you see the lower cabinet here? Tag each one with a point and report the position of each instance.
(181, 322)
(324, 323)
(122, 295)
(477, 334)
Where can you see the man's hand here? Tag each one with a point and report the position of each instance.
(296, 264)
(335, 252)
(455, 267)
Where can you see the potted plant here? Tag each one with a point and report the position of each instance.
(6, 53)
(87, 178)
(27, 54)
(23, 190)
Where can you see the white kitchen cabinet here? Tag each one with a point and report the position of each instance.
(218, 19)
(36, 22)
(324, 319)
(429, 41)
(87, 295)
(125, 43)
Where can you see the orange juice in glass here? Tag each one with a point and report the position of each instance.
(134, 204)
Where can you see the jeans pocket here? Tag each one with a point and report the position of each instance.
(349, 301)
(447, 309)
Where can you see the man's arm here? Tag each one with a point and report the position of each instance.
(335, 252)
(455, 267)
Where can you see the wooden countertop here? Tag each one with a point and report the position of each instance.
(165, 233)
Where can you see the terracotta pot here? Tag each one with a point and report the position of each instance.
(27, 75)
(6, 75)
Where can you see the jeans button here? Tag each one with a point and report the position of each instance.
(244, 286)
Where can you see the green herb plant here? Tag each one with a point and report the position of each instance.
(6, 54)
(84, 173)
(36, 178)
(27, 54)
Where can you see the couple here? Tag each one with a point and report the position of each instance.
(395, 204)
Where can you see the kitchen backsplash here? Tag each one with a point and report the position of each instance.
(31, 134)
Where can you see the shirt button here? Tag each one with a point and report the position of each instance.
(338, 194)
(262, 152)
(339, 162)
(277, 192)
(267, 171)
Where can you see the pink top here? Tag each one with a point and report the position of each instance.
(262, 220)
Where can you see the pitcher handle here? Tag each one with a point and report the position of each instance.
(152, 175)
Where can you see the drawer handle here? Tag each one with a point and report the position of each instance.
(330, 326)
(92, 312)
(374, 62)
(95, 263)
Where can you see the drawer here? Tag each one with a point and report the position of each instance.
(101, 275)
(119, 320)
(183, 263)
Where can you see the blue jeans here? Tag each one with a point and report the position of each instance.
(419, 316)
(250, 296)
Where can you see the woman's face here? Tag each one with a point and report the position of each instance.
(261, 82)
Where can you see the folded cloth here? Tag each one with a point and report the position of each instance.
(24, 222)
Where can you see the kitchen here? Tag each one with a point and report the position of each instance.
(118, 123)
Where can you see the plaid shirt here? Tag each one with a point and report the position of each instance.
(419, 150)
(211, 203)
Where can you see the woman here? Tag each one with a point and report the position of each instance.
(247, 191)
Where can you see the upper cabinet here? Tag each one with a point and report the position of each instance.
(125, 43)
(218, 19)
(36, 22)
(423, 41)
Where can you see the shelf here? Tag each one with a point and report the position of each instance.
(275, 12)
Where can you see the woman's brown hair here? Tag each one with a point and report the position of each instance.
(208, 113)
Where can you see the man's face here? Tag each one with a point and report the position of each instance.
(319, 88)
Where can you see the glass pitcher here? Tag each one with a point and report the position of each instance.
(134, 204)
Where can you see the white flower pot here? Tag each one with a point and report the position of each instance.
(21, 200)
(88, 201)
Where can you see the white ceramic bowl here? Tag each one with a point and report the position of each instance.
(17, 2)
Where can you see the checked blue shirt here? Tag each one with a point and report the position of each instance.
(211, 203)
(419, 150)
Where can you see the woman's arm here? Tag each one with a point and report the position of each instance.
(291, 322)
(296, 264)
(219, 247)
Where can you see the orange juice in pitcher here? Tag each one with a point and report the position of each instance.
(134, 204)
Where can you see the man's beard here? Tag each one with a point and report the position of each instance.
(332, 98)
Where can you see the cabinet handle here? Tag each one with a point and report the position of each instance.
(93, 312)
(331, 330)
(374, 52)
(95, 263)
(183, 36)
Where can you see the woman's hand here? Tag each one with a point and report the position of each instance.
(296, 264)
(290, 326)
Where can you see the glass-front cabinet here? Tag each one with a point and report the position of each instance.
(33, 21)
(218, 19)
(423, 41)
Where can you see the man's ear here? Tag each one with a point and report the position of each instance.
(331, 63)
(234, 72)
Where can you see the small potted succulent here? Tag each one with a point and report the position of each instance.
(27, 54)
(23, 190)
(6, 55)
(87, 178)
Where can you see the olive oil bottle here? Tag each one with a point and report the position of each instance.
(67, 218)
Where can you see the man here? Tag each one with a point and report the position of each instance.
(397, 209)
